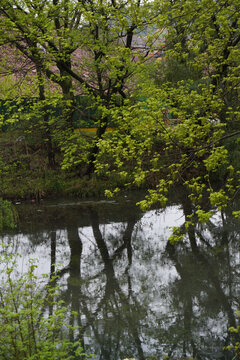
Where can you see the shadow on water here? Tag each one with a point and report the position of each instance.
(135, 294)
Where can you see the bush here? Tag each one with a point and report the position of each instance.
(8, 215)
(33, 322)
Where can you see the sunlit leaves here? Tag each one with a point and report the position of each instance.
(33, 320)
(217, 157)
(189, 149)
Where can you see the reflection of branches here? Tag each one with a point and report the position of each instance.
(54, 276)
(203, 240)
(53, 254)
(76, 247)
(113, 294)
(202, 261)
(187, 306)
(127, 236)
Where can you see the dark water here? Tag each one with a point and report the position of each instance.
(138, 296)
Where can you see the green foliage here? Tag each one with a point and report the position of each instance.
(8, 215)
(75, 48)
(7, 89)
(143, 140)
(172, 71)
(235, 332)
(33, 322)
(76, 148)
(176, 235)
(100, 50)
(190, 150)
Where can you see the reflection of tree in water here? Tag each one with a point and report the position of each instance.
(201, 297)
(204, 291)
(124, 305)
(112, 313)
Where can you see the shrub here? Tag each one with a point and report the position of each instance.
(8, 215)
(33, 322)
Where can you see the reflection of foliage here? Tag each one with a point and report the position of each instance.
(31, 323)
(205, 261)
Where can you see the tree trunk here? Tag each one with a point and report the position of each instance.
(49, 145)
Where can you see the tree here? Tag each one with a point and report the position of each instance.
(89, 48)
(192, 150)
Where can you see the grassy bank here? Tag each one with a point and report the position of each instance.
(25, 174)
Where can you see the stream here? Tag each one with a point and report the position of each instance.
(137, 295)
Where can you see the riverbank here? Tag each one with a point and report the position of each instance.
(34, 186)
(26, 175)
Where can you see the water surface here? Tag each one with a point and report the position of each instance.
(136, 294)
